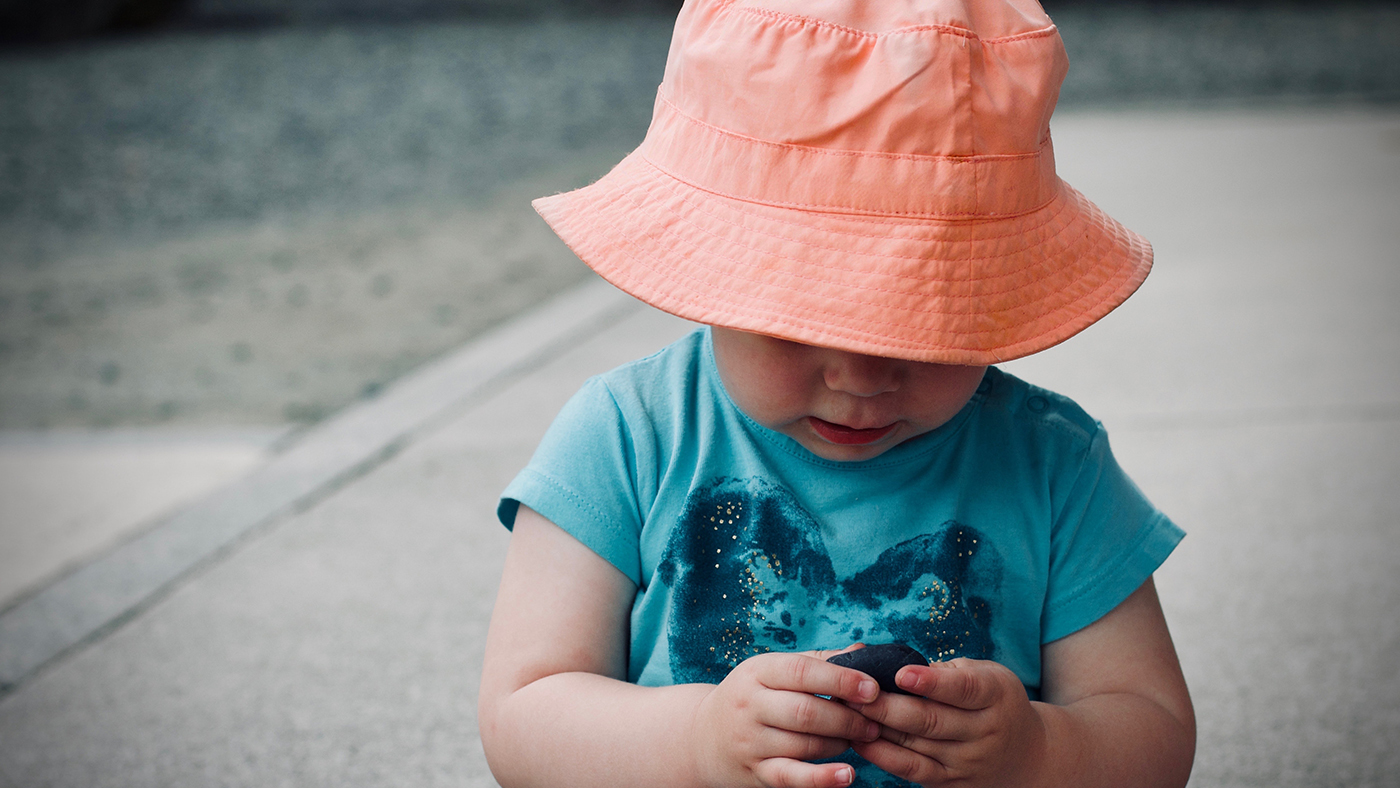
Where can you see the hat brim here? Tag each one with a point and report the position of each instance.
(952, 291)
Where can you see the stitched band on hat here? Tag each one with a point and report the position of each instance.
(797, 176)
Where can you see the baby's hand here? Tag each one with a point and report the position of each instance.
(759, 725)
(971, 725)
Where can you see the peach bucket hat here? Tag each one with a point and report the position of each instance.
(874, 176)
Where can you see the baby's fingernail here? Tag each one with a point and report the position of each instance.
(906, 680)
(872, 732)
(868, 690)
(845, 775)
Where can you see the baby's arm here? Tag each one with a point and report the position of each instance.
(555, 708)
(1116, 713)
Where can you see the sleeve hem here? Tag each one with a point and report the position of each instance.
(573, 513)
(1096, 598)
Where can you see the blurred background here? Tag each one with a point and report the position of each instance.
(253, 212)
(223, 222)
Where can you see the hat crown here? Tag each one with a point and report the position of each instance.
(921, 77)
(874, 176)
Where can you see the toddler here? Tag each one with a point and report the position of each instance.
(858, 199)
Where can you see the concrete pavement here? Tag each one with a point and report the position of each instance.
(322, 622)
(67, 496)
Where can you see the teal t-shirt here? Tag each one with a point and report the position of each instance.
(1006, 528)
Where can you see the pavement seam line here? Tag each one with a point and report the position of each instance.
(99, 596)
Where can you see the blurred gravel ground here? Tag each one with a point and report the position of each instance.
(1228, 54)
(260, 225)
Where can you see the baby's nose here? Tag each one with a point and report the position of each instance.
(862, 376)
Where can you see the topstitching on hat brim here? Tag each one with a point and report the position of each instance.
(969, 291)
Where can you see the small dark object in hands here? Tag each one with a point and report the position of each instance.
(881, 663)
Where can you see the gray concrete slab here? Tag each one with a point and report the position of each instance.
(1276, 274)
(1250, 389)
(68, 496)
(1282, 598)
(116, 585)
(340, 648)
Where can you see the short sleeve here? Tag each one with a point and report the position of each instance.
(1107, 540)
(581, 479)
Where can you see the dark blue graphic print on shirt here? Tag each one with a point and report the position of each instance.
(750, 573)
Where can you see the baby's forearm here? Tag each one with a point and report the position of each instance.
(1124, 715)
(1115, 740)
(582, 730)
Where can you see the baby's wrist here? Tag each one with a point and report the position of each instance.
(701, 764)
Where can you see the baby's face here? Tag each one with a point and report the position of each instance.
(839, 405)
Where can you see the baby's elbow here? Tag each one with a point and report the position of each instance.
(495, 744)
(1186, 742)
(1176, 741)
(492, 710)
(488, 725)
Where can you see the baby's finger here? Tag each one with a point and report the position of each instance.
(907, 720)
(900, 761)
(801, 673)
(788, 773)
(777, 743)
(803, 713)
(964, 683)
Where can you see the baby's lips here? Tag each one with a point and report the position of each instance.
(841, 434)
